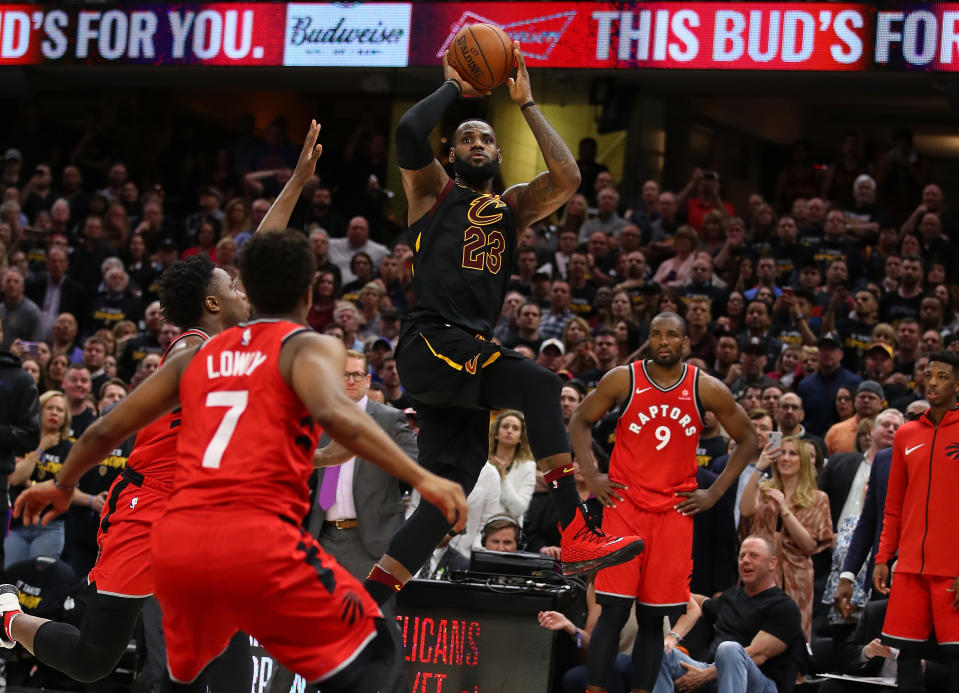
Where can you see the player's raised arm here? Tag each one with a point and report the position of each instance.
(548, 191)
(313, 365)
(717, 398)
(423, 176)
(157, 395)
(612, 389)
(278, 216)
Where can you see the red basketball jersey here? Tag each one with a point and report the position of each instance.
(154, 453)
(656, 438)
(246, 439)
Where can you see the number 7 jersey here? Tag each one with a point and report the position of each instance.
(656, 439)
(246, 438)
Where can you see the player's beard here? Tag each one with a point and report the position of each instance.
(668, 362)
(473, 175)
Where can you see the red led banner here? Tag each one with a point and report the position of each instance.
(703, 35)
(823, 36)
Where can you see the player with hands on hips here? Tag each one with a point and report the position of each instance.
(651, 489)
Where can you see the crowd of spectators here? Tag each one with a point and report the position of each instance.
(816, 305)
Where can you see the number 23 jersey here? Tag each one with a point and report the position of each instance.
(656, 439)
(246, 438)
(463, 253)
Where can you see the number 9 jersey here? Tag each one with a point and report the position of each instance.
(656, 439)
(246, 438)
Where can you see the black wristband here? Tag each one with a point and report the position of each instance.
(456, 84)
(527, 105)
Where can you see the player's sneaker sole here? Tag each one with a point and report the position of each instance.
(9, 601)
(620, 555)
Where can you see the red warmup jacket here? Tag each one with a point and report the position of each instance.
(921, 519)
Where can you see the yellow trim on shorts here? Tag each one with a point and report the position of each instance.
(450, 362)
(495, 355)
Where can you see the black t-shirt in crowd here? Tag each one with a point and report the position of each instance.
(894, 307)
(856, 338)
(81, 422)
(590, 378)
(737, 616)
(404, 402)
(49, 464)
(582, 301)
(709, 449)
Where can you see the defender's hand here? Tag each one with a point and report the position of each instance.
(696, 501)
(32, 502)
(520, 91)
(601, 486)
(310, 154)
(448, 497)
(467, 90)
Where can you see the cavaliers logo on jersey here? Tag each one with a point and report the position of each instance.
(482, 210)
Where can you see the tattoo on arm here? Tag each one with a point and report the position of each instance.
(541, 188)
(545, 193)
(554, 148)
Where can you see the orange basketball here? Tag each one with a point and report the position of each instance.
(482, 54)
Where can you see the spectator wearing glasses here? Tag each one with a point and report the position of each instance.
(358, 506)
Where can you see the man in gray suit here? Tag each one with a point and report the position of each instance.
(359, 507)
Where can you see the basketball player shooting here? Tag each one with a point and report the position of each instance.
(651, 489)
(465, 239)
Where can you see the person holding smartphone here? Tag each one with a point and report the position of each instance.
(790, 511)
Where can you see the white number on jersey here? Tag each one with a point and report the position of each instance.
(236, 400)
(662, 435)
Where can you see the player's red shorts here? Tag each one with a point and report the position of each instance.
(659, 576)
(217, 571)
(916, 603)
(123, 566)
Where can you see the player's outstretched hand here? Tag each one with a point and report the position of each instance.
(32, 502)
(446, 495)
(696, 501)
(466, 89)
(309, 155)
(520, 91)
(601, 486)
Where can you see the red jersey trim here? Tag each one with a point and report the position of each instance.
(442, 196)
(186, 333)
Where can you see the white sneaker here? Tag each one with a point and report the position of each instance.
(9, 601)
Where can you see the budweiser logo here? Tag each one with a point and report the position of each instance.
(302, 31)
(538, 35)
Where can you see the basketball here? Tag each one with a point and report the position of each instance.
(482, 54)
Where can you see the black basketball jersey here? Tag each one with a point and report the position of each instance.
(464, 250)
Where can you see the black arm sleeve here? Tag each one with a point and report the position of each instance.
(413, 150)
